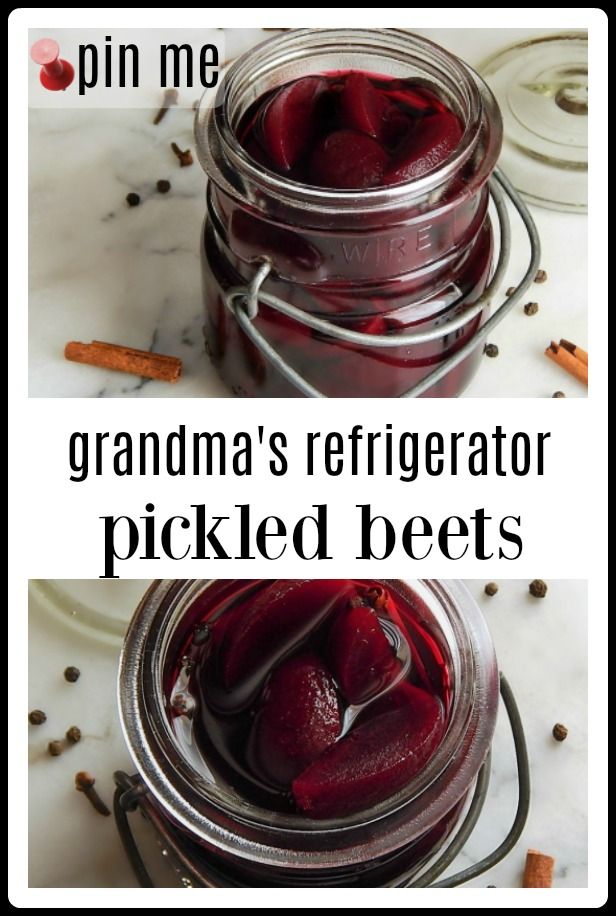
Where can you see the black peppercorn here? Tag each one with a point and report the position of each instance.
(73, 734)
(55, 748)
(163, 186)
(37, 717)
(491, 589)
(132, 199)
(559, 394)
(71, 674)
(531, 308)
(491, 350)
(538, 588)
(560, 732)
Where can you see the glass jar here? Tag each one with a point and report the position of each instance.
(410, 257)
(244, 844)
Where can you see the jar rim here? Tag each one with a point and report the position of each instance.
(223, 158)
(292, 840)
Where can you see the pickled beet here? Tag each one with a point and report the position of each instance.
(363, 107)
(347, 159)
(309, 697)
(375, 760)
(289, 120)
(362, 658)
(427, 148)
(350, 130)
(298, 720)
(271, 624)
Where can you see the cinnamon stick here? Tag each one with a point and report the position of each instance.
(566, 360)
(539, 869)
(125, 359)
(580, 354)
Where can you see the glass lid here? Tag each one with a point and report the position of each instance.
(541, 86)
(98, 608)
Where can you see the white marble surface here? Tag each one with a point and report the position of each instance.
(541, 646)
(99, 270)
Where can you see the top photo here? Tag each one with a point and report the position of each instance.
(360, 213)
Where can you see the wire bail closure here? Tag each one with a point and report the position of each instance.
(243, 302)
(248, 298)
(131, 794)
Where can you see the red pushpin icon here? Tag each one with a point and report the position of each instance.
(55, 73)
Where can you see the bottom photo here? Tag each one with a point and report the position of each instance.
(307, 733)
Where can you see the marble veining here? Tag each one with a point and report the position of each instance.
(541, 646)
(101, 270)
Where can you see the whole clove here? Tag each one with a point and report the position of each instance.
(184, 156)
(84, 782)
(170, 98)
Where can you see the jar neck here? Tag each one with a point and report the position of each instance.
(388, 52)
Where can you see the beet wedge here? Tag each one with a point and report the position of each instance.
(272, 623)
(363, 107)
(361, 657)
(346, 160)
(299, 718)
(426, 148)
(374, 761)
(290, 122)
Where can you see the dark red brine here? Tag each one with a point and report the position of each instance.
(367, 193)
(322, 698)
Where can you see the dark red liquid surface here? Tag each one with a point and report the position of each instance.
(317, 697)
